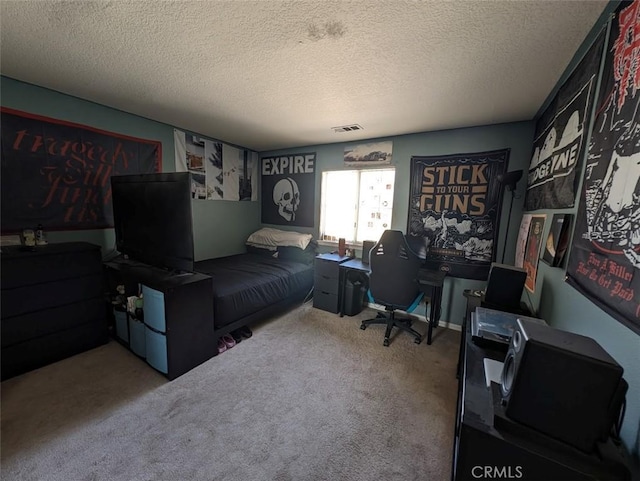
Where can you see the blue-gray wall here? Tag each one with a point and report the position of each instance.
(516, 136)
(554, 300)
(220, 227)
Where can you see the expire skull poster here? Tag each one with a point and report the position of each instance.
(288, 189)
(454, 209)
(604, 263)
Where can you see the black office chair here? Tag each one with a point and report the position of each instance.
(393, 283)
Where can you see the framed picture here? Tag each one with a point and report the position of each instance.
(532, 250)
(557, 240)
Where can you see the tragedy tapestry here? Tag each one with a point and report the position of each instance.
(454, 209)
(57, 173)
(604, 262)
(288, 189)
(532, 250)
(561, 137)
(218, 171)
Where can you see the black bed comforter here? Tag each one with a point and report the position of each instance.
(246, 283)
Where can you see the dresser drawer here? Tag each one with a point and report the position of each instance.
(21, 300)
(328, 285)
(43, 322)
(50, 263)
(325, 301)
(327, 269)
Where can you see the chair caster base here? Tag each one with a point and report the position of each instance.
(363, 326)
(385, 342)
(417, 340)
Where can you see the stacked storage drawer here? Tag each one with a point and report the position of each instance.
(155, 329)
(326, 289)
(130, 330)
(52, 304)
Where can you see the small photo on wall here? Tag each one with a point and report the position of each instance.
(532, 251)
(557, 240)
(373, 153)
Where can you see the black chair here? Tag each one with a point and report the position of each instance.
(393, 283)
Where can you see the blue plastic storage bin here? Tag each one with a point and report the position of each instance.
(156, 347)
(122, 325)
(137, 341)
(154, 309)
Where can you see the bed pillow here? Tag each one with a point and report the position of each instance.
(262, 251)
(267, 236)
(306, 256)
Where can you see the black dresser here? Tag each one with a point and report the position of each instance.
(52, 303)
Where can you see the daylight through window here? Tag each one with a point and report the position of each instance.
(356, 204)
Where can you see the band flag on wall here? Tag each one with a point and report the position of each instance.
(561, 137)
(604, 263)
(288, 189)
(57, 173)
(218, 171)
(454, 208)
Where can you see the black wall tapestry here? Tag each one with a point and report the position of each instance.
(56, 173)
(604, 263)
(561, 138)
(288, 189)
(454, 209)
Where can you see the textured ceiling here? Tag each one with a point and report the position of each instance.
(271, 74)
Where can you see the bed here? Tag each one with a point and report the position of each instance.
(275, 273)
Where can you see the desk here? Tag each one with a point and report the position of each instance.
(523, 454)
(430, 282)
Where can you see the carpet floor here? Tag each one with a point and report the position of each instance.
(310, 396)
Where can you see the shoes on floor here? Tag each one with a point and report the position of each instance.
(228, 341)
(237, 336)
(245, 332)
(222, 346)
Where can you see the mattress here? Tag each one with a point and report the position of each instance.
(246, 283)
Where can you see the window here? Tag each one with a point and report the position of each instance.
(356, 204)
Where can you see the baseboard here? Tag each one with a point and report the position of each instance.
(421, 318)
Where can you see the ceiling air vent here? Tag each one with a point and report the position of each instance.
(347, 128)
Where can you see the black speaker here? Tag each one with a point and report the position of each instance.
(504, 286)
(561, 384)
(366, 248)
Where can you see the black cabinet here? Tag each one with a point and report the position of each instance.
(327, 288)
(485, 449)
(52, 304)
(178, 317)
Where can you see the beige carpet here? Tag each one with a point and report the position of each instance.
(309, 397)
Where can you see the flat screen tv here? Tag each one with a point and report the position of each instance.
(152, 218)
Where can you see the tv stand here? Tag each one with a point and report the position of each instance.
(178, 315)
